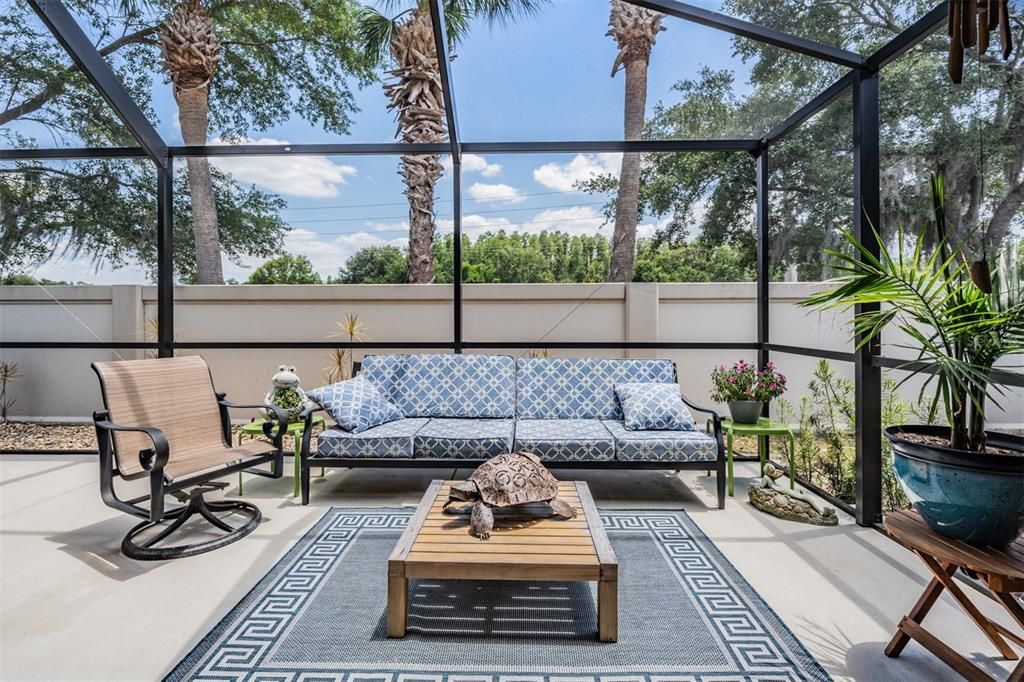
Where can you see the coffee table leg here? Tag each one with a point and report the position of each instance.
(608, 610)
(398, 605)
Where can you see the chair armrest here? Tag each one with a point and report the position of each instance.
(716, 420)
(150, 458)
(280, 416)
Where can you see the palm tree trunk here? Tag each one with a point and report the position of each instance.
(193, 115)
(421, 174)
(627, 203)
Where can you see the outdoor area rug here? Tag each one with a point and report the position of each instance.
(685, 613)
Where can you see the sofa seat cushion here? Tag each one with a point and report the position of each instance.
(661, 446)
(393, 440)
(444, 438)
(557, 440)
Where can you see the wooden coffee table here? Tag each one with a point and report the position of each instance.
(525, 545)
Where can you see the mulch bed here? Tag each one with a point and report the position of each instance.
(28, 436)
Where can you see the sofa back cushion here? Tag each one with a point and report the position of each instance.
(581, 388)
(443, 385)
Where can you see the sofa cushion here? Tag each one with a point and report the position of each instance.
(565, 439)
(441, 385)
(391, 440)
(356, 404)
(464, 438)
(653, 407)
(661, 446)
(581, 388)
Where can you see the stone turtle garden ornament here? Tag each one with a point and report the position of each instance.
(794, 505)
(506, 481)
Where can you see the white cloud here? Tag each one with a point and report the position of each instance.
(82, 269)
(298, 176)
(571, 219)
(563, 177)
(474, 163)
(475, 224)
(326, 255)
(496, 193)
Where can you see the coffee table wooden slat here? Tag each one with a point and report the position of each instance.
(523, 546)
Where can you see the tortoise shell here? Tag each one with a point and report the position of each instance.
(514, 478)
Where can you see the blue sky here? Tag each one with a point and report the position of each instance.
(547, 78)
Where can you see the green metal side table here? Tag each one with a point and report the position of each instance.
(295, 429)
(763, 429)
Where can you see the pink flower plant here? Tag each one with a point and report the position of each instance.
(743, 381)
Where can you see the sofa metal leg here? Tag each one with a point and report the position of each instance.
(305, 482)
(720, 483)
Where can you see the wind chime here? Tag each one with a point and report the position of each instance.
(970, 23)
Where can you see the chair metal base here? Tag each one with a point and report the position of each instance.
(196, 504)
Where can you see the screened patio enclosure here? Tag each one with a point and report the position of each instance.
(860, 82)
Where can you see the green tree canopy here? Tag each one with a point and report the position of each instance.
(549, 257)
(281, 58)
(374, 265)
(929, 125)
(286, 269)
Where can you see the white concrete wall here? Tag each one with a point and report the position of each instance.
(58, 384)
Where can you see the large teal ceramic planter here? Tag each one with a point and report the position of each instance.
(974, 497)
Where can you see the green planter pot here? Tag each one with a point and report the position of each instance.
(969, 496)
(745, 411)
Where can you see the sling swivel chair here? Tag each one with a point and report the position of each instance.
(164, 421)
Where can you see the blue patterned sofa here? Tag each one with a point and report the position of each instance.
(468, 408)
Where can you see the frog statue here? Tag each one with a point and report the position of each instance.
(286, 393)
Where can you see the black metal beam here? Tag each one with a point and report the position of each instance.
(92, 65)
(813, 352)
(386, 345)
(594, 146)
(537, 147)
(71, 153)
(867, 376)
(827, 96)
(165, 260)
(998, 376)
(444, 68)
(761, 34)
(918, 31)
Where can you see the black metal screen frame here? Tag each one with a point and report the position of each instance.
(862, 79)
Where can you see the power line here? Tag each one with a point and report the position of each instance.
(406, 203)
(400, 217)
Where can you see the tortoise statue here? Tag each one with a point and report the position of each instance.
(507, 480)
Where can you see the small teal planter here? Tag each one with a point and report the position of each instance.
(969, 496)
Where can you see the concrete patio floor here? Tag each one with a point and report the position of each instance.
(73, 608)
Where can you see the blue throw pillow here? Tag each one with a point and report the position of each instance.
(355, 405)
(653, 407)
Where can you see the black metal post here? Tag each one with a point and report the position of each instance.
(763, 269)
(868, 376)
(165, 260)
(457, 255)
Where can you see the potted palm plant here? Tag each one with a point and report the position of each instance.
(959, 319)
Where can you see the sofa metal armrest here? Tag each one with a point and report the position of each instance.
(307, 429)
(151, 459)
(280, 416)
(716, 420)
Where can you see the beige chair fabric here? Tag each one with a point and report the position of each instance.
(175, 395)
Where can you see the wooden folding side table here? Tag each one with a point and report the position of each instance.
(1002, 570)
